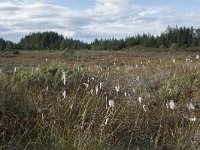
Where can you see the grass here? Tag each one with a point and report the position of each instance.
(35, 115)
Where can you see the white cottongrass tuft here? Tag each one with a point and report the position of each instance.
(125, 94)
(106, 122)
(86, 85)
(171, 104)
(173, 60)
(64, 94)
(63, 77)
(117, 88)
(190, 106)
(46, 59)
(111, 103)
(100, 85)
(15, 70)
(197, 56)
(140, 100)
(97, 89)
(187, 60)
(144, 108)
(80, 68)
(191, 119)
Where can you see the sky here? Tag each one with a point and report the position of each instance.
(90, 19)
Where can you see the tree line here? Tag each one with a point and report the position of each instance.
(183, 37)
(50, 41)
(43, 41)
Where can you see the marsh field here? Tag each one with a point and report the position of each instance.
(105, 100)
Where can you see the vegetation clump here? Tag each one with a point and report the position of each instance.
(61, 107)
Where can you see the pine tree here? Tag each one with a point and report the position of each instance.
(62, 45)
(9, 46)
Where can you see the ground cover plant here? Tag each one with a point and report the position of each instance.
(100, 100)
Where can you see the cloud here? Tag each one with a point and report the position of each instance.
(149, 11)
(105, 19)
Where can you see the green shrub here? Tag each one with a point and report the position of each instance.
(67, 53)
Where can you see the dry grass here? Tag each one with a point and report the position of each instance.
(35, 115)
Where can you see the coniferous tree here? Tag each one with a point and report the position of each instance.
(62, 45)
(2, 44)
(9, 46)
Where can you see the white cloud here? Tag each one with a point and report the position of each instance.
(106, 19)
(149, 11)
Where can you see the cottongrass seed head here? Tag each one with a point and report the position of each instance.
(171, 104)
(111, 103)
(190, 106)
(64, 94)
(140, 100)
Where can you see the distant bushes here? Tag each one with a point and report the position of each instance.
(67, 52)
(12, 53)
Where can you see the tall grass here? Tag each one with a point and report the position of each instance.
(35, 115)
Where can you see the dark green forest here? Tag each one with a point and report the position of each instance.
(183, 37)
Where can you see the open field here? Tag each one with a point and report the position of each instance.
(100, 100)
(32, 58)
